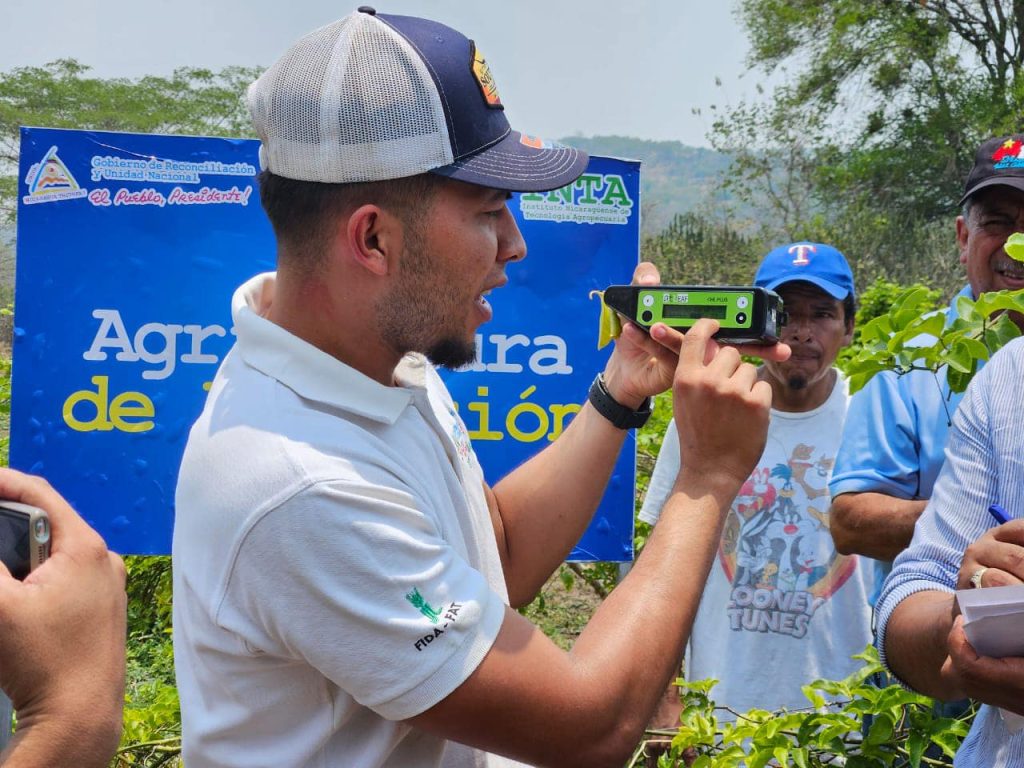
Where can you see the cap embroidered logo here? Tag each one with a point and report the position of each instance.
(1008, 155)
(484, 78)
(801, 250)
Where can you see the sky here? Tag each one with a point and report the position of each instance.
(563, 67)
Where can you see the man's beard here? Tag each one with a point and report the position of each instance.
(452, 353)
(407, 319)
(797, 381)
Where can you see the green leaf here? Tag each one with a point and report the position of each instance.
(839, 726)
(916, 744)
(996, 301)
(759, 758)
(930, 325)
(958, 380)
(816, 699)
(897, 697)
(959, 358)
(1005, 331)
(881, 729)
(732, 753)
(948, 741)
(567, 577)
(965, 309)
(879, 329)
(1014, 246)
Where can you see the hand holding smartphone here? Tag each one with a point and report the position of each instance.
(62, 650)
(24, 537)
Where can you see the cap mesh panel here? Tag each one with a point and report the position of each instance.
(350, 102)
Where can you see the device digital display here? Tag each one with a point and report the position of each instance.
(693, 311)
(745, 313)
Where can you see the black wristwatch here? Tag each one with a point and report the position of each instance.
(618, 414)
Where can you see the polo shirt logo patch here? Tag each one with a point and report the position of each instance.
(450, 616)
(460, 437)
(420, 604)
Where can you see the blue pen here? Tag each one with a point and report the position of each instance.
(1001, 515)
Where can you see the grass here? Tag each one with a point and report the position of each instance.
(562, 610)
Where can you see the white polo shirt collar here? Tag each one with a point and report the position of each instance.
(310, 372)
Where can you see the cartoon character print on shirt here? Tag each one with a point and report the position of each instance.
(777, 550)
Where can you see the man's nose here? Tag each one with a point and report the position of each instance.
(798, 327)
(511, 246)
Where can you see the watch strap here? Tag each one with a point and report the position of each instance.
(619, 415)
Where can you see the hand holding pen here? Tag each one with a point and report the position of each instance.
(1000, 515)
(997, 558)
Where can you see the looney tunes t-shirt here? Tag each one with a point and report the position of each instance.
(781, 607)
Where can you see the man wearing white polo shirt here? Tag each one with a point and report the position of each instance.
(344, 578)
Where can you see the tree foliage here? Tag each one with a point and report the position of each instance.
(694, 250)
(903, 90)
(867, 141)
(913, 336)
(851, 722)
(61, 94)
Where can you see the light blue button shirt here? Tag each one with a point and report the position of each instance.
(984, 464)
(895, 434)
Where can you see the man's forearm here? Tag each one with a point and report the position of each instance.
(546, 504)
(873, 524)
(635, 656)
(916, 644)
(86, 739)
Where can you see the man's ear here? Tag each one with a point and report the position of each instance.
(373, 238)
(961, 237)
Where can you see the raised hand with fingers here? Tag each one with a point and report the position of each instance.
(720, 408)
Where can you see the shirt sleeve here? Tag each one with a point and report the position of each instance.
(956, 514)
(880, 450)
(358, 582)
(663, 478)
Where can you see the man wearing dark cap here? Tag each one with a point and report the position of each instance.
(896, 431)
(343, 575)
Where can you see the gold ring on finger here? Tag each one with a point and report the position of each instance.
(976, 577)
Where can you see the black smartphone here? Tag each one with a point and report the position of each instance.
(24, 537)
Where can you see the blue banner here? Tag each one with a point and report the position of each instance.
(129, 249)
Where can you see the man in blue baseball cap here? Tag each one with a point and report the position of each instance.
(344, 578)
(781, 607)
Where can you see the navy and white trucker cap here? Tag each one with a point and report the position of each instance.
(372, 97)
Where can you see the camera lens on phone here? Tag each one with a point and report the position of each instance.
(42, 530)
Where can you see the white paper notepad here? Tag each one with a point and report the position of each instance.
(994, 625)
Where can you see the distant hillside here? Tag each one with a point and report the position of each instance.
(674, 178)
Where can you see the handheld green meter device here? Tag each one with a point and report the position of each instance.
(747, 314)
